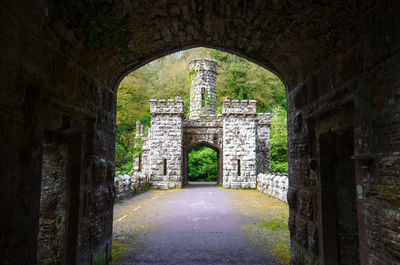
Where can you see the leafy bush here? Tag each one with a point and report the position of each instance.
(203, 165)
(279, 154)
(124, 151)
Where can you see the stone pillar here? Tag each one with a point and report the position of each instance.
(263, 143)
(137, 158)
(239, 144)
(165, 143)
(203, 73)
(145, 154)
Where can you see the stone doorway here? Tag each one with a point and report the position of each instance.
(186, 153)
(59, 199)
(339, 222)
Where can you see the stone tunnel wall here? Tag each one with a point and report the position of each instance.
(339, 60)
(53, 198)
(274, 184)
(352, 98)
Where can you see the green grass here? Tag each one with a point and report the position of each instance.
(273, 224)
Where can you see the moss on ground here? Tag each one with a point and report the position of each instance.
(266, 222)
(119, 250)
(273, 224)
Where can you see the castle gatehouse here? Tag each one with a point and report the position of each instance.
(239, 135)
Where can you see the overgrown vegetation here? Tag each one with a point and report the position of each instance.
(279, 155)
(273, 224)
(267, 230)
(203, 164)
(168, 77)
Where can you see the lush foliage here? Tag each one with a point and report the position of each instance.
(203, 164)
(279, 155)
(168, 77)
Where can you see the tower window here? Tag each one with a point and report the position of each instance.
(165, 167)
(238, 167)
(140, 163)
(203, 97)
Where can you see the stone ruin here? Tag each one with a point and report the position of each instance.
(239, 135)
(62, 63)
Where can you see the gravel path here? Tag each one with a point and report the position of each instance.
(200, 224)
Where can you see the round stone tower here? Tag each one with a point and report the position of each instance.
(203, 74)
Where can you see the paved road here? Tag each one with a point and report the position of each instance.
(195, 225)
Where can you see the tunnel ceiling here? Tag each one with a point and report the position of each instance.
(111, 38)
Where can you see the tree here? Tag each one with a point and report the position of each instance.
(279, 154)
(203, 164)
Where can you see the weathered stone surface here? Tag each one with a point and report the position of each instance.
(128, 185)
(203, 92)
(53, 200)
(338, 59)
(275, 185)
(165, 143)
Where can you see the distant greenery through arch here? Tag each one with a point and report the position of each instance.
(203, 164)
(167, 77)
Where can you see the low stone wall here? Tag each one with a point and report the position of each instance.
(273, 184)
(128, 185)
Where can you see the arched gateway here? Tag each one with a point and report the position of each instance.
(239, 135)
(186, 151)
(340, 61)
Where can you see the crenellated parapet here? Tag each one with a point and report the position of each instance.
(203, 64)
(140, 129)
(264, 119)
(170, 106)
(235, 106)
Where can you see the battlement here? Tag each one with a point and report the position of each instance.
(264, 118)
(203, 64)
(170, 106)
(140, 129)
(239, 107)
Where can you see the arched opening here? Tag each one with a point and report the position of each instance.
(66, 59)
(246, 134)
(205, 161)
(203, 97)
(202, 165)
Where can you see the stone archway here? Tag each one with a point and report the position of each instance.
(69, 56)
(202, 133)
(188, 148)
